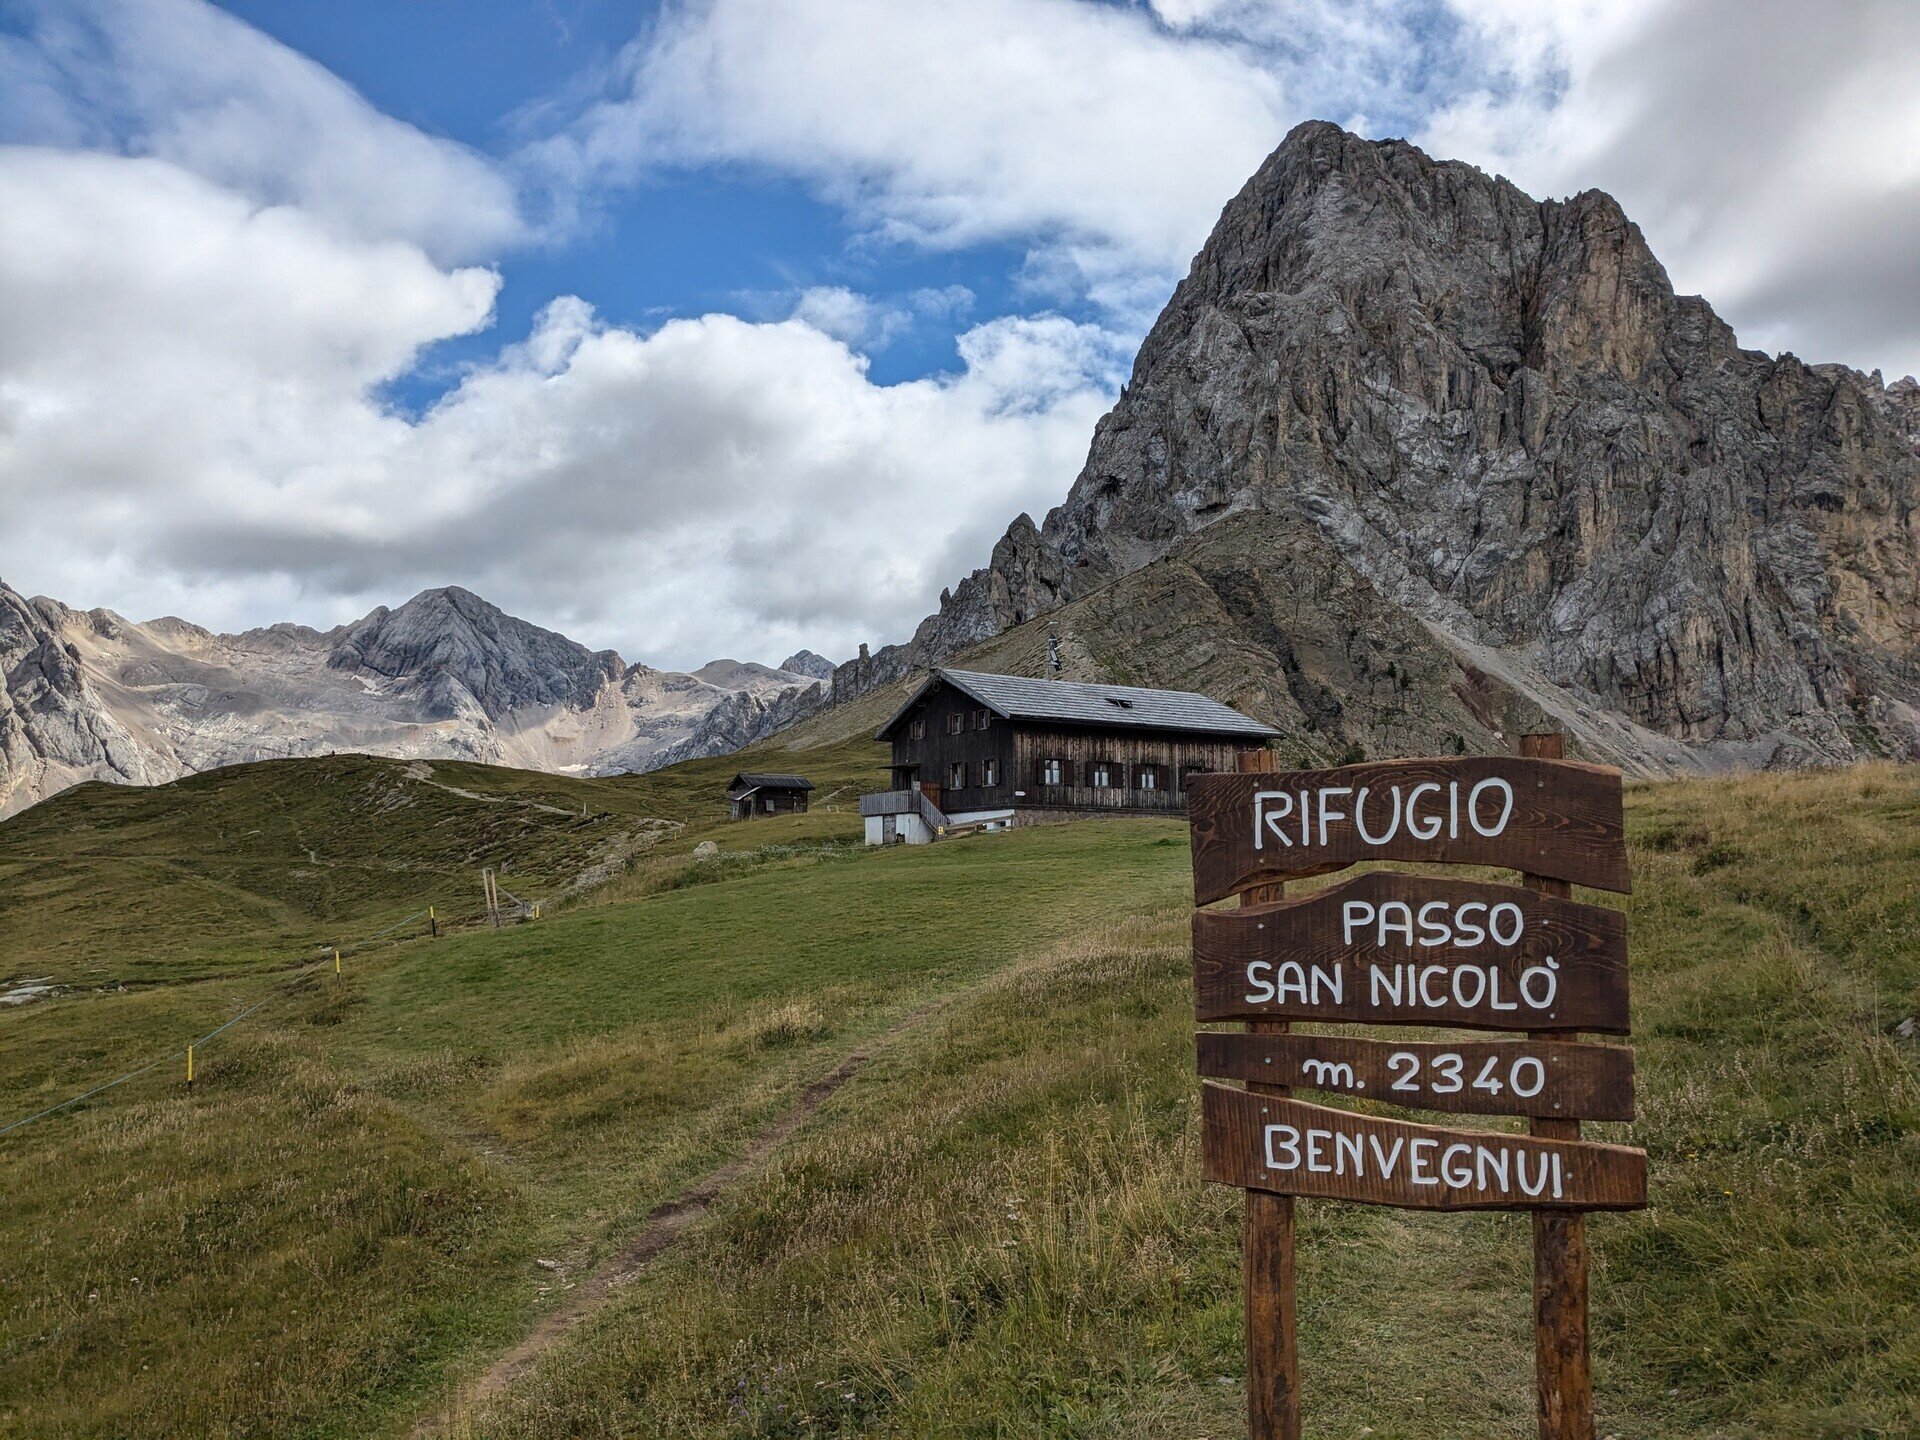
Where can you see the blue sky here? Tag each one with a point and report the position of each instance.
(740, 325)
(730, 238)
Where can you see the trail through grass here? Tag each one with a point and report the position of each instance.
(997, 1228)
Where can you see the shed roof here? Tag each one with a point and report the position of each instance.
(1018, 697)
(760, 780)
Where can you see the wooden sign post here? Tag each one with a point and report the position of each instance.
(1399, 949)
(1267, 1243)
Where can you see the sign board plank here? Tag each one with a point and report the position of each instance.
(1558, 818)
(1289, 1147)
(1418, 950)
(1550, 1078)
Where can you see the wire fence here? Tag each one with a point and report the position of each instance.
(333, 956)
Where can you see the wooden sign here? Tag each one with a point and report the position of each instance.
(1392, 949)
(1289, 1147)
(1417, 950)
(1476, 1077)
(1555, 818)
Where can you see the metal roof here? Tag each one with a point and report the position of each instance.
(1016, 697)
(755, 780)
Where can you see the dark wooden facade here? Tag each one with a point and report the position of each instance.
(749, 795)
(966, 758)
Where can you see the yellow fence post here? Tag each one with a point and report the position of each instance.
(336, 959)
(189, 1067)
(433, 924)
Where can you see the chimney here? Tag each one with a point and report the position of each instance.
(1053, 652)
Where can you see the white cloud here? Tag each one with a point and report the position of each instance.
(218, 253)
(1082, 129)
(172, 350)
(187, 424)
(871, 323)
(185, 81)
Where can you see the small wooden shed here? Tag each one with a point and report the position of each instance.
(752, 793)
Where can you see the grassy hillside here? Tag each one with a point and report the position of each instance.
(256, 864)
(996, 1228)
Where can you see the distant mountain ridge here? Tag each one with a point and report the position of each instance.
(88, 695)
(1412, 460)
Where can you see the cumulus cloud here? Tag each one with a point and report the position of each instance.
(1085, 130)
(172, 349)
(214, 255)
(198, 373)
(871, 323)
(184, 81)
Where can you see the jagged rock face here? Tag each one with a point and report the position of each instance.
(742, 719)
(53, 729)
(805, 662)
(460, 650)
(90, 696)
(1498, 413)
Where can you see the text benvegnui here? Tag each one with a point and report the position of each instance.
(1263, 1142)
(1492, 1165)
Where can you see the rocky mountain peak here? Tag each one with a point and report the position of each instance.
(463, 650)
(805, 662)
(1492, 415)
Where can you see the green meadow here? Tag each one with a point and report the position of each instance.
(382, 1180)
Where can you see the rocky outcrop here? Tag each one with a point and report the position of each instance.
(87, 695)
(1495, 414)
(53, 729)
(744, 718)
(455, 651)
(805, 662)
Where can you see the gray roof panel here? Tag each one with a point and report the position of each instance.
(759, 781)
(1017, 697)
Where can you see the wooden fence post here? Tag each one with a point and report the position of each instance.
(1563, 1370)
(1267, 1249)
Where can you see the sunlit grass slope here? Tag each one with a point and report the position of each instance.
(1002, 1231)
(997, 1229)
(254, 864)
